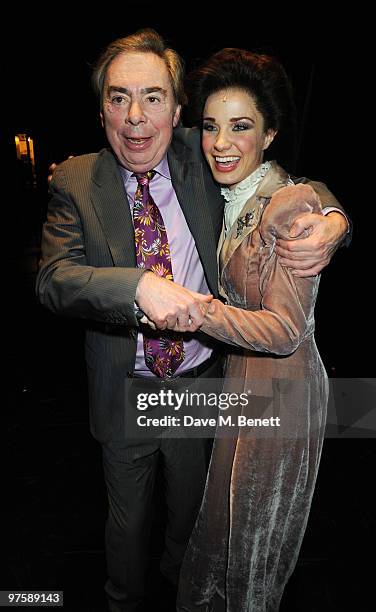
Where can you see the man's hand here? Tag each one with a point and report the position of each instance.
(169, 305)
(309, 255)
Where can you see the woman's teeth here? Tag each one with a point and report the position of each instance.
(226, 160)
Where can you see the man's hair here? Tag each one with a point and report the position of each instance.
(142, 41)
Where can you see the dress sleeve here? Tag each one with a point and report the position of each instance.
(286, 316)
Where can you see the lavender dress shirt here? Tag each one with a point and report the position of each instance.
(186, 265)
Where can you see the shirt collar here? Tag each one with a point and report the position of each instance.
(161, 168)
(247, 186)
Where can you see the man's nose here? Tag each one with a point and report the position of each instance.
(135, 113)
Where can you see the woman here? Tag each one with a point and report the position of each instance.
(260, 484)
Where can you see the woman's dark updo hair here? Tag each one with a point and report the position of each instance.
(261, 76)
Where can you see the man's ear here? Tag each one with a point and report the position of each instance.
(176, 117)
(269, 137)
(102, 119)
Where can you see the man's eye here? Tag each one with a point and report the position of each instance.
(153, 99)
(117, 100)
(208, 127)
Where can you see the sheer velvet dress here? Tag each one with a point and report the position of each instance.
(261, 479)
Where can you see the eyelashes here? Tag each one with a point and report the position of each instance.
(240, 126)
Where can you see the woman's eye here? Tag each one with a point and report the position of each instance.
(240, 127)
(208, 127)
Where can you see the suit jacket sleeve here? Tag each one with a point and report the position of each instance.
(286, 316)
(66, 283)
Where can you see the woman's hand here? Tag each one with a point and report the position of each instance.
(191, 325)
(147, 321)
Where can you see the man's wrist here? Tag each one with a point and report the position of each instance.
(139, 286)
(327, 210)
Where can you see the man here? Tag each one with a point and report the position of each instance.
(91, 269)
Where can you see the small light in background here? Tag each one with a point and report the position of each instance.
(25, 154)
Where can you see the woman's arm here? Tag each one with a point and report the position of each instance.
(287, 307)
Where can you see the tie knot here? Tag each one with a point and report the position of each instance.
(143, 179)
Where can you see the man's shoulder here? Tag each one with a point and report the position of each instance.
(84, 168)
(84, 162)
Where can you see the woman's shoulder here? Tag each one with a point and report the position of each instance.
(285, 205)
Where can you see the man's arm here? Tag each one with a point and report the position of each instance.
(68, 285)
(320, 236)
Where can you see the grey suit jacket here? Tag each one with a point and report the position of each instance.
(88, 267)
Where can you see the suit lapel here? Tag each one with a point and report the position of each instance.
(188, 181)
(111, 204)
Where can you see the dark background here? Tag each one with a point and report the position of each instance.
(54, 506)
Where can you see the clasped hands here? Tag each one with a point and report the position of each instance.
(168, 305)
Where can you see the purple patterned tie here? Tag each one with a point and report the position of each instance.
(163, 354)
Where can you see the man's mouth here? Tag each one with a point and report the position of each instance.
(139, 143)
(137, 140)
